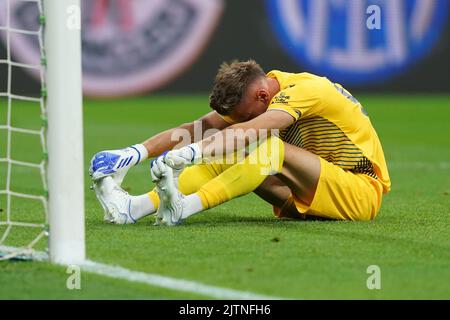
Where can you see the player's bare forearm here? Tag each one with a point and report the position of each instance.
(163, 141)
(242, 134)
(183, 134)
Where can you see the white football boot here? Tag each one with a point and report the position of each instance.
(171, 199)
(115, 201)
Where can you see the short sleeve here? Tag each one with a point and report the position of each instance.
(281, 102)
(298, 100)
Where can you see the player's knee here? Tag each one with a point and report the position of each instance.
(269, 155)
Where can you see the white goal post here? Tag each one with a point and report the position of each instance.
(65, 133)
(61, 135)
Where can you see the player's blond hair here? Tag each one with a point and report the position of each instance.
(231, 81)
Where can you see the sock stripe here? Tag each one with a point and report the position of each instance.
(129, 211)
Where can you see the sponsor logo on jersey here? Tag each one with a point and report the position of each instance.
(281, 98)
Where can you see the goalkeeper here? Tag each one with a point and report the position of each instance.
(299, 141)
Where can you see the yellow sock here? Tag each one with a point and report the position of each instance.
(245, 176)
(216, 183)
(192, 179)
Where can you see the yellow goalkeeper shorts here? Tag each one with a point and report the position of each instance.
(343, 195)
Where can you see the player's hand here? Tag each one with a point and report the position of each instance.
(158, 168)
(178, 159)
(110, 162)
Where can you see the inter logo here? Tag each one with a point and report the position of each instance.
(357, 41)
(128, 46)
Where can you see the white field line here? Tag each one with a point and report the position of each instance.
(156, 280)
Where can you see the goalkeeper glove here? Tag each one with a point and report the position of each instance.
(116, 163)
(178, 159)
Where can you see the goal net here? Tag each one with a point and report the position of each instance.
(23, 157)
(41, 201)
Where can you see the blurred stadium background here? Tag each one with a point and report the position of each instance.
(148, 65)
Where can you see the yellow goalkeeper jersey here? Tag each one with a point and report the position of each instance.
(330, 123)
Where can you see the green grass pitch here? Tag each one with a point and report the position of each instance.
(240, 245)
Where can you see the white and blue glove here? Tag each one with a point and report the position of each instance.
(180, 158)
(116, 163)
(176, 159)
(158, 168)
